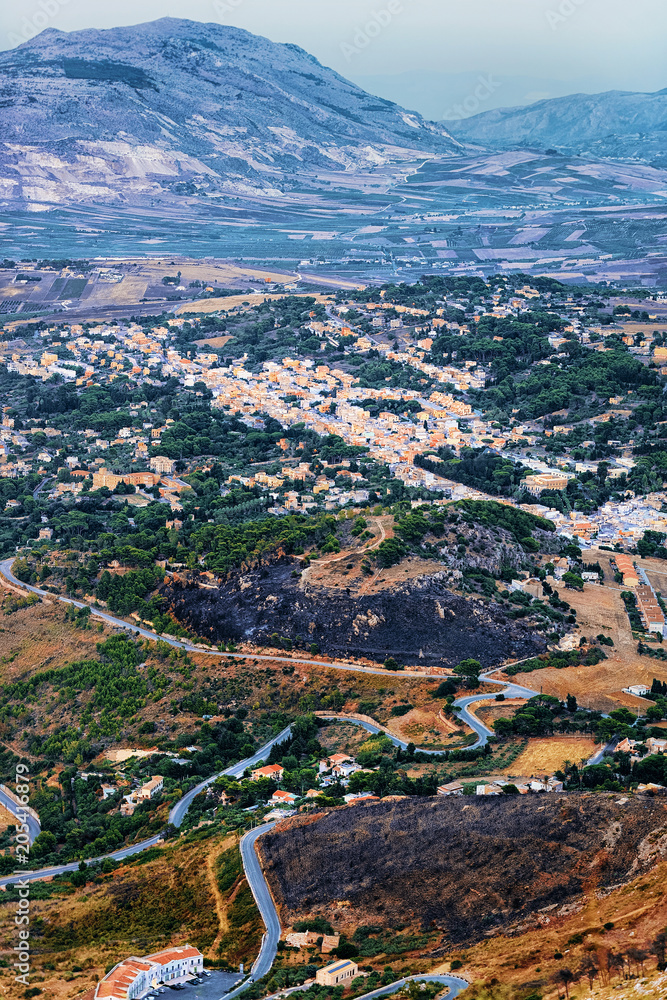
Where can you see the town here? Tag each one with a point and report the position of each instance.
(429, 402)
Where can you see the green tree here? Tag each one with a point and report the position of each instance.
(470, 669)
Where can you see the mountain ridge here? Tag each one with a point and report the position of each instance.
(616, 124)
(125, 114)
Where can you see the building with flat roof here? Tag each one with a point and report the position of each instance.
(545, 481)
(338, 972)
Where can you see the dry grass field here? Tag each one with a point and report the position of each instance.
(38, 637)
(426, 728)
(544, 756)
(230, 302)
(601, 610)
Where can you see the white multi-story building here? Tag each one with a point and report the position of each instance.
(133, 977)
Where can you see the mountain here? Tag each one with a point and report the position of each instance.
(616, 124)
(141, 114)
(448, 97)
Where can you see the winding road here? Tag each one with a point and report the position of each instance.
(252, 867)
(34, 828)
(135, 629)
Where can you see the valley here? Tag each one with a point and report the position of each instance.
(333, 513)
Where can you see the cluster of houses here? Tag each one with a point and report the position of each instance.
(638, 750)
(335, 769)
(497, 787)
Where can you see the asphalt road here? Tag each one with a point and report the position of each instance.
(598, 756)
(175, 816)
(483, 732)
(455, 985)
(41, 486)
(135, 629)
(375, 730)
(265, 904)
(252, 868)
(235, 771)
(34, 829)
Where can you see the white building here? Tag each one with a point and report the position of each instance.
(133, 977)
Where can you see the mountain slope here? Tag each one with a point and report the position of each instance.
(179, 107)
(624, 126)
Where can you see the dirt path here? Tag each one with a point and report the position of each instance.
(361, 552)
(220, 905)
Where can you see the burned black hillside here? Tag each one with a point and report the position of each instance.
(466, 867)
(417, 622)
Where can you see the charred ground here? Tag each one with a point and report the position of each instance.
(419, 622)
(469, 868)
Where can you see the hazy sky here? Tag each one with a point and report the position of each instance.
(614, 43)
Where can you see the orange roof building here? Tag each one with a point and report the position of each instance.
(274, 771)
(134, 976)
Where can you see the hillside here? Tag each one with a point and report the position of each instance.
(420, 623)
(616, 124)
(470, 868)
(174, 108)
(191, 891)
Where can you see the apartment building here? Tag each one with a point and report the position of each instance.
(133, 977)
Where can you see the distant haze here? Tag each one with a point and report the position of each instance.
(428, 55)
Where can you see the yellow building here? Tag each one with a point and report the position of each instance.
(338, 972)
(545, 481)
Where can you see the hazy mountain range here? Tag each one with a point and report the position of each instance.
(212, 135)
(616, 124)
(443, 96)
(183, 107)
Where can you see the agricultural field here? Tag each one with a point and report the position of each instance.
(600, 610)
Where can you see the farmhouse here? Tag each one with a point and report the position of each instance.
(274, 771)
(338, 972)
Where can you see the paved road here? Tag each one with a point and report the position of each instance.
(264, 900)
(598, 756)
(34, 829)
(175, 816)
(41, 486)
(376, 730)
(235, 771)
(135, 629)
(455, 985)
(269, 948)
(483, 732)
(41, 873)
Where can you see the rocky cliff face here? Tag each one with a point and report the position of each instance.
(173, 108)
